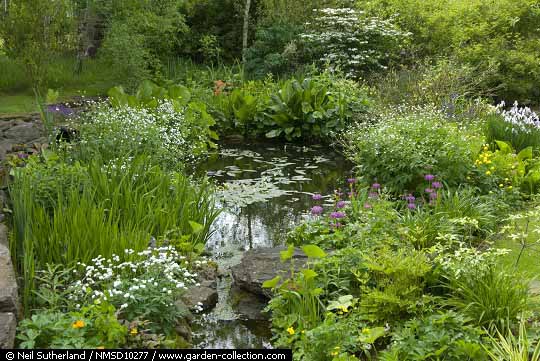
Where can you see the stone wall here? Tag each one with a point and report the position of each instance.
(19, 134)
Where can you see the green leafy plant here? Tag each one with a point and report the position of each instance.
(492, 298)
(91, 327)
(506, 346)
(441, 336)
(402, 147)
(306, 109)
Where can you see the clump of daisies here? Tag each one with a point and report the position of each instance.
(141, 285)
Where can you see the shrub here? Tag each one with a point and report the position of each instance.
(169, 136)
(275, 50)
(348, 39)
(401, 148)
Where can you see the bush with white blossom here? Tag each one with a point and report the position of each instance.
(169, 136)
(349, 39)
(144, 286)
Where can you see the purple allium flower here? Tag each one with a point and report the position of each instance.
(410, 198)
(429, 177)
(436, 185)
(429, 190)
(376, 186)
(367, 205)
(341, 204)
(433, 195)
(337, 215)
(22, 155)
(336, 225)
(316, 210)
(411, 206)
(373, 195)
(317, 197)
(351, 180)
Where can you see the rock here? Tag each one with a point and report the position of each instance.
(8, 325)
(9, 301)
(204, 295)
(24, 133)
(249, 306)
(260, 265)
(4, 240)
(183, 329)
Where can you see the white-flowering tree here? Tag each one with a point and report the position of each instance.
(349, 39)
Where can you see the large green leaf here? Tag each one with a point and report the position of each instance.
(271, 283)
(287, 254)
(313, 251)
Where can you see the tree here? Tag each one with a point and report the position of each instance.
(35, 31)
(245, 31)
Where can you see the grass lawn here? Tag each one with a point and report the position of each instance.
(529, 261)
(25, 102)
(20, 103)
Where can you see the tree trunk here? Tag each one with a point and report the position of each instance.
(245, 31)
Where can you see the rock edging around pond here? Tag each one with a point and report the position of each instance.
(9, 301)
(262, 264)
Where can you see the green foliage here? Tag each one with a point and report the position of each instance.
(346, 38)
(492, 298)
(121, 206)
(275, 50)
(307, 109)
(443, 336)
(401, 148)
(91, 327)
(393, 285)
(501, 37)
(171, 134)
(508, 347)
(517, 135)
(140, 35)
(35, 31)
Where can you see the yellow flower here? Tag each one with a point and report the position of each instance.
(509, 187)
(488, 172)
(78, 324)
(492, 168)
(290, 330)
(501, 185)
(344, 308)
(134, 331)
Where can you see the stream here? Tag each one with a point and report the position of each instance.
(265, 189)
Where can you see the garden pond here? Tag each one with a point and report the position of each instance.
(264, 190)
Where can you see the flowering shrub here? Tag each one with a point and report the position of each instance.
(144, 286)
(348, 39)
(400, 149)
(169, 136)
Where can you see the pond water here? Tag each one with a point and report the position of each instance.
(265, 189)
